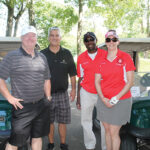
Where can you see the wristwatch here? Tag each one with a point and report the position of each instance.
(49, 98)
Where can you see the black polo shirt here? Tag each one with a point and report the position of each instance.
(60, 64)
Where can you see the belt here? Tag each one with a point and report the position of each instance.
(59, 91)
(34, 102)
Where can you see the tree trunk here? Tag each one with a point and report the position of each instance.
(148, 28)
(31, 14)
(79, 32)
(16, 26)
(9, 21)
(142, 26)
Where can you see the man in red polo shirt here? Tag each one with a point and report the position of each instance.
(87, 94)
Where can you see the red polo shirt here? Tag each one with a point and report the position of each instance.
(114, 74)
(86, 69)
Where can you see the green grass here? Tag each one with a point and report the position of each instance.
(144, 65)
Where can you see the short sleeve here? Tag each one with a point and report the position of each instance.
(79, 67)
(5, 66)
(72, 67)
(129, 64)
(98, 68)
(47, 74)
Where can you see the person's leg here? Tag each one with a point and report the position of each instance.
(40, 124)
(10, 147)
(36, 143)
(51, 134)
(21, 126)
(63, 117)
(103, 141)
(115, 138)
(88, 101)
(107, 135)
(62, 132)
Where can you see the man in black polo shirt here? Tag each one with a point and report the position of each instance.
(61, 64)
(30, 80)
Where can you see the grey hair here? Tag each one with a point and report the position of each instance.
(53, 28)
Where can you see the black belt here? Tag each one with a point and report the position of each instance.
(59, 91)
(34, 102)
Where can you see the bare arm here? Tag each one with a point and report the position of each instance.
(129, 83)
(5, 92)
(47, 89)
(99, 91)
(73, 88)
(78, 93)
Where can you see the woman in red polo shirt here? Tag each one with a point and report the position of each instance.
(113, 80)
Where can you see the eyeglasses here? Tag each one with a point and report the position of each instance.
(109, 40)
(89, 40)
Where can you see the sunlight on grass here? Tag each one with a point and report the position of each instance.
(144, 65)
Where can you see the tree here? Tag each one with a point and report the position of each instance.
(31, 13)
(15, 9)
(10, 5)
(20, 7)
(148, 21)
(80, 4)
(79, 31)
(48, 15)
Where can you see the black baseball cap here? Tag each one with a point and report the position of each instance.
(91, 34)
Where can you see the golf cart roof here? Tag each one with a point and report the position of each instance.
(10, 43)
(132, 44)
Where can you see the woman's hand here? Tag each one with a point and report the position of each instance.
(106, 102)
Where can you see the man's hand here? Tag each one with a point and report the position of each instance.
(72, 95)
(5, 92)
(78, 104)
(15, 102)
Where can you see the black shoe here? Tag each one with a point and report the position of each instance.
(51, 146)
(64, 146)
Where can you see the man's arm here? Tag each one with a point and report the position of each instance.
(47, 89)
(5, 92)
(78, 93)
(73, 88)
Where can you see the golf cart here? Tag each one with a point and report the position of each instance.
(5, 122)
(136, 134)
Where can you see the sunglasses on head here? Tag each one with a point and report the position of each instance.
(54, 28)
(109, 40)
(89, 40)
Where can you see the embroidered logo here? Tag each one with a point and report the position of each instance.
(63, 61)
(120, 61)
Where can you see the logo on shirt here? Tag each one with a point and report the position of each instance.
(63, 61)
(119, 61)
